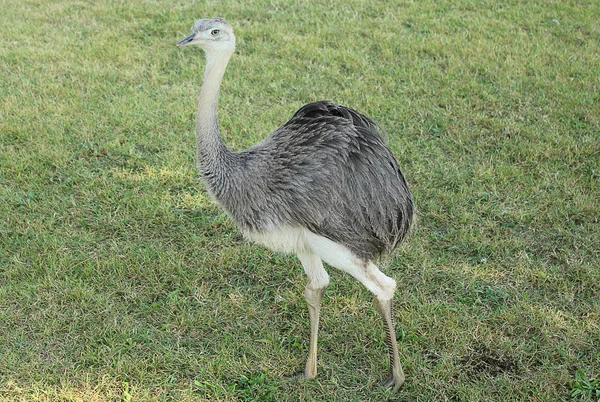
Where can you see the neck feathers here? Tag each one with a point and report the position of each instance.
(210, 149)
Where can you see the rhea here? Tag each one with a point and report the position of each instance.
(324, 186)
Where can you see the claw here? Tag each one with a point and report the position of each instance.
(392, 382)
(301, 375)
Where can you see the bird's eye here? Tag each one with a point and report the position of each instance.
(214, 32)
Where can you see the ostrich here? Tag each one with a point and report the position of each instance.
(323, 186)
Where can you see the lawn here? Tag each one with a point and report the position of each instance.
(121, 281)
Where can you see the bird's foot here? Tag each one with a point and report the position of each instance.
(394, 382)
(299, 375)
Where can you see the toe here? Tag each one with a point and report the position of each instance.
(393, 383)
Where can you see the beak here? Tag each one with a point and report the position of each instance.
(186, 41)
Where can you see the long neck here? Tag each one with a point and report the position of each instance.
(210, 149)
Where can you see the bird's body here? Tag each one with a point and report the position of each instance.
(326, 170)
(323, 186)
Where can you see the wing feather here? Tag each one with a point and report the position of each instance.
(327, 169)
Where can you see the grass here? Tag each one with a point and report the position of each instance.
(120, 280)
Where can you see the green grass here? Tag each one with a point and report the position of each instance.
(120, 280)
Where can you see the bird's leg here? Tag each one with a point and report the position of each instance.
(313, 299)
(313, 293)
(382, 286)
(386, 309)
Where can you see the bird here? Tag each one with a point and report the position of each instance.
(324, 186)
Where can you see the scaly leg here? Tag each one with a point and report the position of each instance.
(386, 309)
(313, 293)
(313, 299)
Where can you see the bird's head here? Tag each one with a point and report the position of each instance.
(212, 35)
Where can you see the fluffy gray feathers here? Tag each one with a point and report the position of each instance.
(328, 170)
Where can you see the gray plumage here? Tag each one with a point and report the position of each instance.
(323, 186)
(328, 170)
